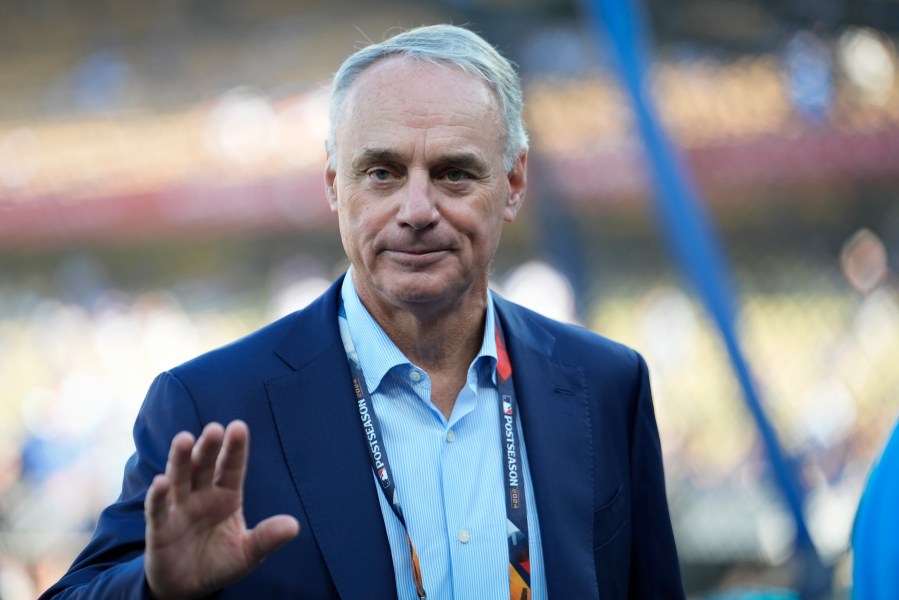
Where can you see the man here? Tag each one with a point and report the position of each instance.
(874, 546)
(414, 435)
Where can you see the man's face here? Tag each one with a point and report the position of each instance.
(418, 184)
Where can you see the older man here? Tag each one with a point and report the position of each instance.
(413, 434)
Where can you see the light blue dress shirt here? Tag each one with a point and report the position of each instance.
(448, 472)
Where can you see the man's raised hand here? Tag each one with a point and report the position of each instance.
(197, 539)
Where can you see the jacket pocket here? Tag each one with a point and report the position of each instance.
(610, 519)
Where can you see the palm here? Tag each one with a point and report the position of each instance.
(197, 540)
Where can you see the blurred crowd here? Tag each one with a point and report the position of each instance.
(130, 130)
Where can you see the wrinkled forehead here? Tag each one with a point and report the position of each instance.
(402, 87)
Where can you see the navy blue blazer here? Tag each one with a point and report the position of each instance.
(588, 422)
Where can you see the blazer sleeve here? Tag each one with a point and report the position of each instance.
(112, 564)
(655, 569)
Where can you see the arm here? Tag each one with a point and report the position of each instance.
(655, 569)
(194, 540)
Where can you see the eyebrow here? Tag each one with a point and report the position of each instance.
(375, 155)
(467, 161)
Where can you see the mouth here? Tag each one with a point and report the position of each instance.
(416, 255)
(417, 251)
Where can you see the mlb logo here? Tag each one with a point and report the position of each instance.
(507, 408)
(383, 474)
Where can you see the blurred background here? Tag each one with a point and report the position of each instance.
(161, 194)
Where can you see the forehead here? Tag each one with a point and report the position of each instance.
(404, 102)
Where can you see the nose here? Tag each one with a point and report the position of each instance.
(417, 208)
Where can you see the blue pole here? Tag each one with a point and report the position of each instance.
(698, 251)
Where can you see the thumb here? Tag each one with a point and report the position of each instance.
(269, 535)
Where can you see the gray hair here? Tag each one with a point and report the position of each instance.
(446, 45)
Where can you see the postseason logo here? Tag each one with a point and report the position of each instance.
(511, 450)
(374, 447)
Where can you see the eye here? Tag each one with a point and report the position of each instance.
(455, 175)
(379, 174)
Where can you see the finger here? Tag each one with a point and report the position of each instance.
(232, 461)
(269, 535)
(204, 455)
(178, 466)
(156, 504)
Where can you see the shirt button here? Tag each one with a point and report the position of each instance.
(451, 436)
(464, 536)
(415, 375)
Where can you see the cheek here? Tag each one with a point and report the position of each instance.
(359, 224)
(485, 225)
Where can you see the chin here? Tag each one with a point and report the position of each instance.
(441, 285)
(419, 288)
(416, 295)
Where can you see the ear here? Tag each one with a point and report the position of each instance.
(330, 185)
(518, 182)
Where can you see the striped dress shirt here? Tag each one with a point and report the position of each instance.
(448, 472)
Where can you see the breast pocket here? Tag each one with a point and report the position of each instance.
(610, 519)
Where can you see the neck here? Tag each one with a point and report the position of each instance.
(440, 337)
(446, 343)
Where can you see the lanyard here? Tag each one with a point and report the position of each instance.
(516, 506)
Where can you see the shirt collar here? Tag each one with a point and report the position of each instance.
(376, 351)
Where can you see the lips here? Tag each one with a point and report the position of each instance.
(416, 256)
(420, 249)
(416, 251)
(415, 247)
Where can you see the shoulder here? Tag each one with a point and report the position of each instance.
(567, 343)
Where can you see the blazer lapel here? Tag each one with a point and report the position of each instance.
(322, 439)
(555, 417)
